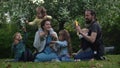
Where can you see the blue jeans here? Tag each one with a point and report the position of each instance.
(42, 57)
(65, 58)
(85, 55)
(46, 55)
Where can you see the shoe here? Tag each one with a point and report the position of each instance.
(55, 60)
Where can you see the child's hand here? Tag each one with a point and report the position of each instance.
(51, 45)
(26, 21)
(52, 42)
(54, 36)
(24, 29)
(74, 54)
(35, 51)
(16, 42)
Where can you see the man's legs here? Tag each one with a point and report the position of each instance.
(85, 55)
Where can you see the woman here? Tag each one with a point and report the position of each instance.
(45, 51)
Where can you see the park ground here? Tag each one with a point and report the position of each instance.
(112, 61)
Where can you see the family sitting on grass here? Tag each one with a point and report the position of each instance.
(50, 47)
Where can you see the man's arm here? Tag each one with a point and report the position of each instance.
(90, 38)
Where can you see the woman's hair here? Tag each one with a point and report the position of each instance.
(43, 22)
(66, 36)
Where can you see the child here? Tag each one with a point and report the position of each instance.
(85, 31)
(63, 45)
(83, 46)
(41, 14)
(19, 49)
(83, 42)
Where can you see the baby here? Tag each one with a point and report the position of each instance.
(85, 31)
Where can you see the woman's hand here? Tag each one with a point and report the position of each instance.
(42, 34)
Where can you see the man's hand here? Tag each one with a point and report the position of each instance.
(78, 28)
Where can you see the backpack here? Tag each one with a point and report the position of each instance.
(27, 55)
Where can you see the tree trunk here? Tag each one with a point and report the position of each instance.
(61, 26)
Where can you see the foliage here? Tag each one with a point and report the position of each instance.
(17, 9)
(107, 14)
(64, 12)
(11, 12)
(6, 36)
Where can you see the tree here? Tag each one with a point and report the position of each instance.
(63, 11)
(11, 11)
(108, 15)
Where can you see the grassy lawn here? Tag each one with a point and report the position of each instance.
(112, 62)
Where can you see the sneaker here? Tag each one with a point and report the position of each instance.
(55, 60)
(77, 60)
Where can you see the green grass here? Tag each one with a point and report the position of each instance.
(112, 62)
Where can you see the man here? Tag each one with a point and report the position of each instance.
(93, 39)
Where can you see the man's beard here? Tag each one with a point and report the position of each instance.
(88, 21)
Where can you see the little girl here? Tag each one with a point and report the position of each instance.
(63, 45)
